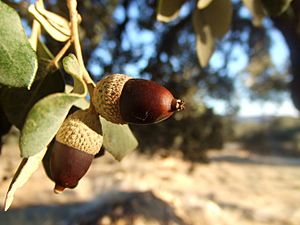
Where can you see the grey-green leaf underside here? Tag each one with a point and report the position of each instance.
(18, 61)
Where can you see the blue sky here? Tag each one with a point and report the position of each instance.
(280, 57)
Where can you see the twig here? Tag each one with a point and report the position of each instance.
(36, 30)
(74, 16)
(35, 33)
(60, 54)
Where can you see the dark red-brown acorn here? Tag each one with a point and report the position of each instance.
(122, 99)
(77, 141)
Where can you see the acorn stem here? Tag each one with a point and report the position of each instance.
(177, 105)
(74, 17)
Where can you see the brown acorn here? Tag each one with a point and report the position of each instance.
(77, 141)
(122, 99)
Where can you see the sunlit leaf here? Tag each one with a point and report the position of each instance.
(53, 31)
(57, 21)
(18, 62)
(43, 121)
(203, 3)
(82, 103)
(26, 168)
(211, 24)
(257, 11)
(72, 67)
(205, 41)
(168, 10)
(205, 44)
(217, 16)
(46, 116)
(118, 139)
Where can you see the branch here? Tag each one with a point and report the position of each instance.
(36, 30)
(74, 17)
(59, 55)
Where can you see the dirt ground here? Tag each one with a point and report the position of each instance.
(236, 187)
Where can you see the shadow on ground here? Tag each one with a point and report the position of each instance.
(110, 208)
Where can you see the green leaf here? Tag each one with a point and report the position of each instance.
(72, 67)
(46, 116)
(18, 61)
(168, 10)
(43, 52)
(118, 139)
(82, 103)
(43, 122)
(26, 168)
(17, 102)
(217, 15)
(205, 41)
(211, 24)
(54, 30)
(45, 58)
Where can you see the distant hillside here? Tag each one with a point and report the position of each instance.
(268, 134)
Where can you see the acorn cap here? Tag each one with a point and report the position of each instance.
(81, 130)
(106, 97)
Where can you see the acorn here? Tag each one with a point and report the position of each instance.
(122, 99)
(76, 142)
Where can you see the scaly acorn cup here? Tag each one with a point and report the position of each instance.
(122, 99)
(77, 141)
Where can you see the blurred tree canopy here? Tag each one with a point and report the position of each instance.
(125, 37)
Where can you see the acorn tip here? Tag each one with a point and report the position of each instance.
(58, 189)
(177, 105)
